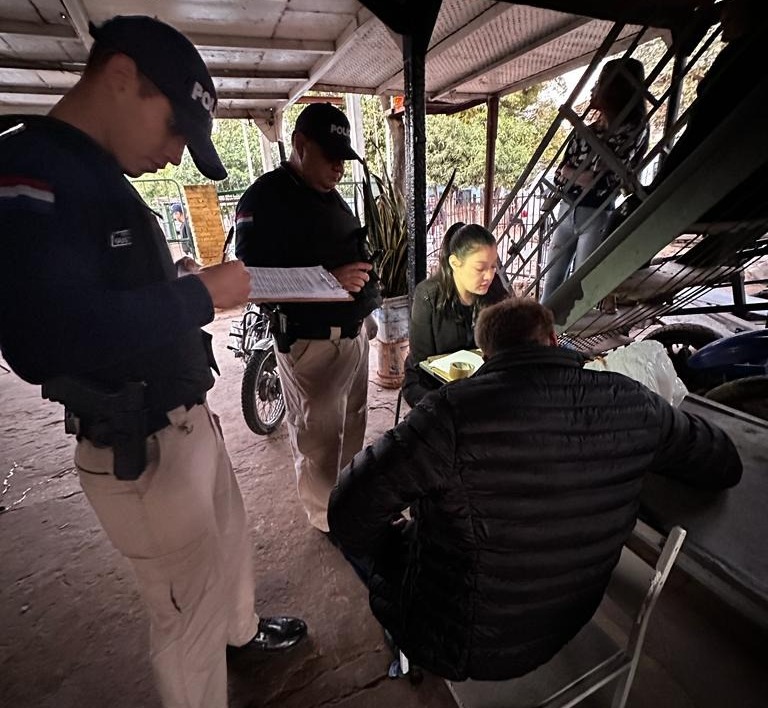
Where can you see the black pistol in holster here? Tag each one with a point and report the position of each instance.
(278, 323)
(116, 419)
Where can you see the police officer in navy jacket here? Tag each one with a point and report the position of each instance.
(93, 311)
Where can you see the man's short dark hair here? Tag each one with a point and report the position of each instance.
(512, 322)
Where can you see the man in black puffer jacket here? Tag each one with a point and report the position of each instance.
(523, 483)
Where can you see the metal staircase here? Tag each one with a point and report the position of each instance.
(659, 259)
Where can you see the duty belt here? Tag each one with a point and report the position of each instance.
(101, 434)
(324, 331)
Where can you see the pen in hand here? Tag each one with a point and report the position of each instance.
(332, 282)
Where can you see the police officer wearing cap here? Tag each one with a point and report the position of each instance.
(182, 229)
(290, 217)
(94, 312)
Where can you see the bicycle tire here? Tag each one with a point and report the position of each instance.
(261, 393)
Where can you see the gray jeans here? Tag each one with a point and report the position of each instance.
(573, 240)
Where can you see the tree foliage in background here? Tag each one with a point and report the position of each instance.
(459, 140)
(375, 132)
(229, 138)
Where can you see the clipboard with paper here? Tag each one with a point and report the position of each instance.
(465, 362)
(310, 284)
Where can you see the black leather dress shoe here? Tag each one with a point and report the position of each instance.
(277, 634)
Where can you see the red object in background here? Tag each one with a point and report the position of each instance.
(397, 103)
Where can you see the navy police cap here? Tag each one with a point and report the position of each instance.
(172, 63)
(329, 128)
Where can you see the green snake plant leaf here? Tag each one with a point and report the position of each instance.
(385, 217)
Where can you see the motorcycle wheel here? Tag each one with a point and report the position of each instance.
(682, 341)
(262, 394)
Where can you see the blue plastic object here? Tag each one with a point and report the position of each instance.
(735, 357)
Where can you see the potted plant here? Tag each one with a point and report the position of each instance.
(385, 218)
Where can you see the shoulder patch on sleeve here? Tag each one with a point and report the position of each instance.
(17, 192)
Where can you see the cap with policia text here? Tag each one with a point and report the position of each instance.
(329, 128)
(172, 63)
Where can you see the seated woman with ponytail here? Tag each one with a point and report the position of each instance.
(445, 306)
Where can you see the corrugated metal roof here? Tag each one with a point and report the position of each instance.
(265, 54)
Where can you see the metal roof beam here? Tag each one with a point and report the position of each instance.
(522, 51)
(34, 90)
(476, 23)
(351, 33)
(227, 41)
(254, 113)
(280, 75)
(10, 107)
(76, 67)
(252, 95)
(37, 29)
(78, 18)
(72, 67)
(654, 13)
(202, 41)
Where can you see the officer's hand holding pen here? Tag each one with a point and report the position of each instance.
(352, 276)
(228, 284)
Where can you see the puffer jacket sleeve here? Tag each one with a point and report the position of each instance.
(409, 462)
(693, 450)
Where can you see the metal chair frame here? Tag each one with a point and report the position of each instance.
(621, 666)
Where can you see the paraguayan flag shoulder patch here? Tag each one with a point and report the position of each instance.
(18, 192)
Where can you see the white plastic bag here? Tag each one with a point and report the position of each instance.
(647, 362)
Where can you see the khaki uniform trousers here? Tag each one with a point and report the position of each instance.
(182, 526)
(325, 385)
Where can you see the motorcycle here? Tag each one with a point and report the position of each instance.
(261, 394)
(738, 368)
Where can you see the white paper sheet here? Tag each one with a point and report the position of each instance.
(290, 284)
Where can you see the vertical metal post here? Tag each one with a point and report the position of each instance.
(739, 295)
(414, 59)
(491, 131)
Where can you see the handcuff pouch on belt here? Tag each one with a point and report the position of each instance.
(108, 418)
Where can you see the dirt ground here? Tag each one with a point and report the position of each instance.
(74, 633)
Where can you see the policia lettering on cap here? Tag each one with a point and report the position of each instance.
(87, 267)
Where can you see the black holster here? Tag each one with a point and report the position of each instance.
(280, 330)
(108, 418)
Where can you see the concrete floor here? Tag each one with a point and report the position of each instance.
(74, 633)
